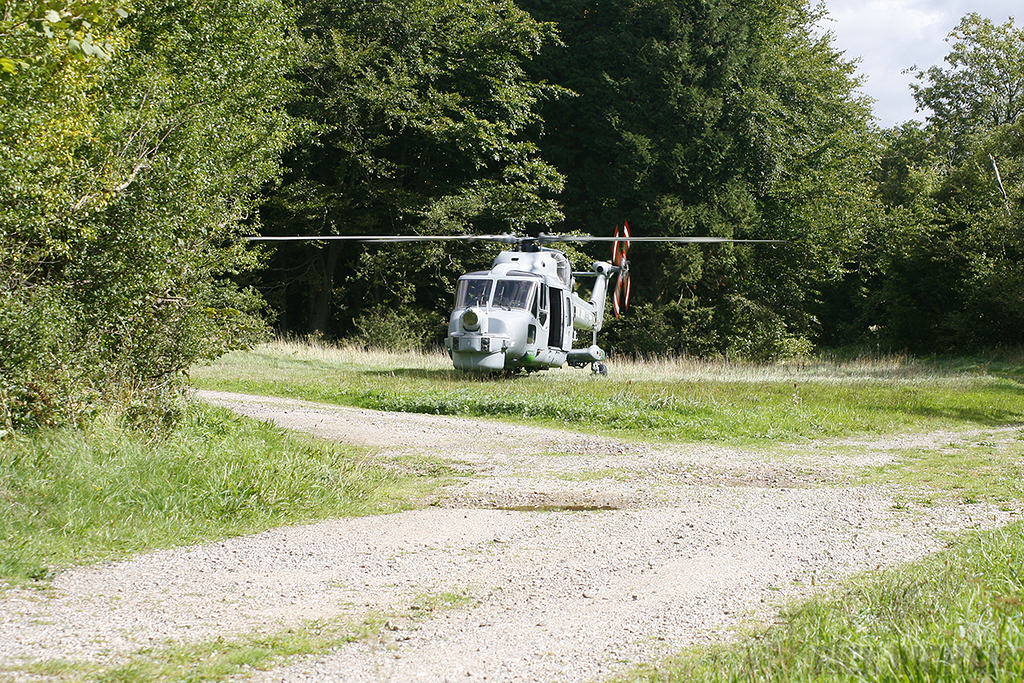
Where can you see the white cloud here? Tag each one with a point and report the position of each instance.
(890, 36)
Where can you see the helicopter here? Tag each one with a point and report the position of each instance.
(525, 314)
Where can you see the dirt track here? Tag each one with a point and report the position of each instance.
(574, 555)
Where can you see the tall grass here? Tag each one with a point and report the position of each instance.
(955, 616)
(676, 399)
(74, 496)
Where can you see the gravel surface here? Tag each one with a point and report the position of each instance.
(575, 555)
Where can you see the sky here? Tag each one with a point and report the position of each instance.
(889, 36)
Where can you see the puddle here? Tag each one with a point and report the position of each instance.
(557, 508)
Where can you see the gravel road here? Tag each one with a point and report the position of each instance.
(574, 555)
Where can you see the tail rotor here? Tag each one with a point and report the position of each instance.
(620, 249)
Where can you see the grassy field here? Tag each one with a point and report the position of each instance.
(107, 492)
(678, 400)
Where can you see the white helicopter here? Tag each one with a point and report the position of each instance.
(524, 313)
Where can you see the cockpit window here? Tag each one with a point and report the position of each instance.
(515, 294)
(507, 293)
(473, 293)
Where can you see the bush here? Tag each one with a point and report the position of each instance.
(679, 328)
(402, 329)
(42, 381)
(759, 334)
(127, 183)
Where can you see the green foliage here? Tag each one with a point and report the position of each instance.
(939, 267)
(45, 35)
(135, 137)
(128, 182)
(75, 496)
(759, 334)
(960, 283)
(401, 330)
(705, 119)
(813, 140)
(35, 329)
(726, 118)
(983, 86)
(418, 118)
(679, 327)
(755, 332)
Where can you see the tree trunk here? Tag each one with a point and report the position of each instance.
(320, 301)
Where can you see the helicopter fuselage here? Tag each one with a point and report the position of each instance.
(525, 314)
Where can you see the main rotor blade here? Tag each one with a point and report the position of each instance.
(545, 238)
(504, 239)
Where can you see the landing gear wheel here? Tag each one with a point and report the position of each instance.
(599, 369)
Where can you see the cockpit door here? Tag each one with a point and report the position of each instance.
(556, 320)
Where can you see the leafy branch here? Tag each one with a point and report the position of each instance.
(52, 29)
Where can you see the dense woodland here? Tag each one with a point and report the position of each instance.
(139, 140)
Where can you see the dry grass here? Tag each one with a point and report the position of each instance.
(865, 368)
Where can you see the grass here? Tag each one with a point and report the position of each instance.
(954, 616)
(678, 400)
(75, 496)
(974, 470)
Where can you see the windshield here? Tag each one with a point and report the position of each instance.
(473, 292)
(515, 294)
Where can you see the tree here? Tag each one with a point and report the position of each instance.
(983, 86)
(129, 181)
(970, 254)
(813, 137)
(419, 117)
(724, 118)
(942, 272)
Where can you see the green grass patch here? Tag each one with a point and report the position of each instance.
(236, 658)
(79, 496)
(951, 617)
(677, 400)
(977, 470)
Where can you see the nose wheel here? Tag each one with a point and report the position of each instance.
(599, 369)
